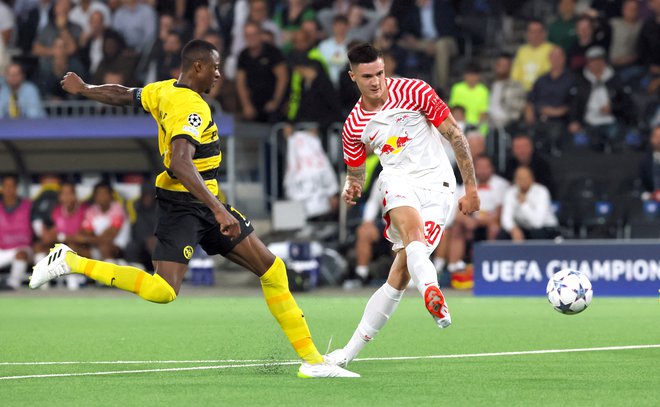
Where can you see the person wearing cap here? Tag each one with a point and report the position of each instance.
(601, 103)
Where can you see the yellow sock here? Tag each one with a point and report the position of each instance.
(150, 287)
(285, 310)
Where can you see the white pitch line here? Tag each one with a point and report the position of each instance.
(283, 363)
(141, 362)
(174, 369)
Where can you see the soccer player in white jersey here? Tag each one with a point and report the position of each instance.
(402, 121)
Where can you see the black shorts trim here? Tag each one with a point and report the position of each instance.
(180, 228)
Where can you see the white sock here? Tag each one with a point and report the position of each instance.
(380, 307)
(420, 267)
(439, 263)
(362, 271)
(456, 266)
(17, 273)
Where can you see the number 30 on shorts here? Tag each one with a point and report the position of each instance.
(432, 231)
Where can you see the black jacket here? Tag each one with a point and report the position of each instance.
(619, 96)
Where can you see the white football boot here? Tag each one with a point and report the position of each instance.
(323, 370)
(337, 357)
(437, 306)
(51, 266)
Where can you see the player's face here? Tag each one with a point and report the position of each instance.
(210, 73)
(370, 78)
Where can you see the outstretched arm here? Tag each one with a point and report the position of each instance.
(449, 129)
(355, 177)
(117, 95)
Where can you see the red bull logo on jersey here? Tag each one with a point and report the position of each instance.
(394, 144)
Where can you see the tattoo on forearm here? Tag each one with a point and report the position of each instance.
(356, 174)
(462, 153)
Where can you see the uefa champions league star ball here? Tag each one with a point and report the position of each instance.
(569, 291)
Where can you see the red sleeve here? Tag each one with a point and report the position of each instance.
(430, 103)
(354, 151)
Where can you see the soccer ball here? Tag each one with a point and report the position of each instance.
(569, 291)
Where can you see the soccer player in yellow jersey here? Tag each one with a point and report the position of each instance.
(189, 211)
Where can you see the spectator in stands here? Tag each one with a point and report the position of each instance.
(562, 30)
(429, 30)
(91, 43)
(625, 36)
(136, 22)
(527, 210)
(61, 64)
(116, 58)
(523, 154)
(44, 202)
(169, 64)
(649, 47)
(7, 29)
(362, 23)
(18, 97)
(473, 96)
(482, 225)
(33, 23)
(385, 39)
(105, 228)
(289, 19)
(319, 101)
(64, 225)
(577, 58)
(334, 49)
(649, 171)
(15, 232)
(262, 78)
(82, 13)
(303, 48)
(143, 223)
(549, 102)
(507, 96)
(258, 13)
(60, 27)
(532, 59)
(202, 23)
(601, 103)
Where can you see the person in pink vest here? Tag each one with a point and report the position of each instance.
(64, 226)
(15, 232)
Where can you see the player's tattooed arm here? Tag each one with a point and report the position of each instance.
(450, 130)
(355, 177)
(116, 95)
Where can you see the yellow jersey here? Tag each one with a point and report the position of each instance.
(182, 113)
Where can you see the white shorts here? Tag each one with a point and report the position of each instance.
(434, 206)
(7, 256)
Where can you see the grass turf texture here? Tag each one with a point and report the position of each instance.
(126, 328)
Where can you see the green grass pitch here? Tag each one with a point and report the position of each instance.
(126, 328)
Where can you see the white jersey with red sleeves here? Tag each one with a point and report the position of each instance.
(403, 134)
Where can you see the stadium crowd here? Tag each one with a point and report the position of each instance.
(550, 76)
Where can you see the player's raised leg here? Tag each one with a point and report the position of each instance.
(378, 311)
(62, 261)
(252, 254)
(410, 227)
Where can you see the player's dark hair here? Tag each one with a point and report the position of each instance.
(363, 53)
(196, 50)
